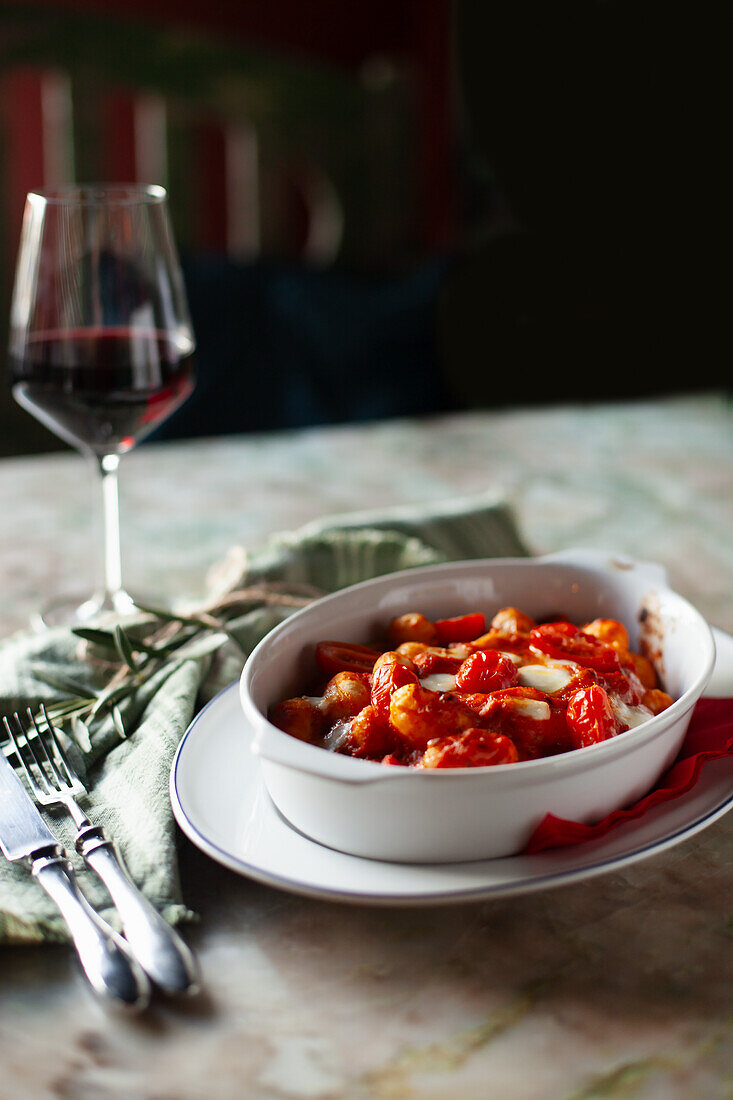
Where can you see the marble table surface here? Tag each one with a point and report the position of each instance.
(619, 986)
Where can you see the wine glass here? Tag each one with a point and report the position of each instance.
(101, 342)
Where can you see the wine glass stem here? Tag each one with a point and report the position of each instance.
(108, 465)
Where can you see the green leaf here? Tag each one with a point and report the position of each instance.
(123, 646)
(110, 696)
(119, 724)
(81, 733)
(103, 638)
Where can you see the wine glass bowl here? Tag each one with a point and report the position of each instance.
(101, 342)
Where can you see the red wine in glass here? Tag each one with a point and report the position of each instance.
(102, 389)
(101, 344)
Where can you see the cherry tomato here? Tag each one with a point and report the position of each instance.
(391, 671)
(431, 660)
(626, 684)
(590, 717)
(476, 701)
(486, 671)
(534, 722)
(463, 628)
(476, 748)
(565, 641)
(333, 657)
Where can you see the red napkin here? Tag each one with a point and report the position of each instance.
(709, 736)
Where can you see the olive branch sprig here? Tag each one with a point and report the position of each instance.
(156, 640)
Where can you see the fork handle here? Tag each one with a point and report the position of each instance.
(160, 951)
(105, 957)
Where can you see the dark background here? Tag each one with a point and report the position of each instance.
(524, 198)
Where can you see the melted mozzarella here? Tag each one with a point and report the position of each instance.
(337, 734)
(544, 677)
(317, 701)
(529, 708)
(630, 716)
(439, 681)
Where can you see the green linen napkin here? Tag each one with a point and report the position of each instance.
(127, 776)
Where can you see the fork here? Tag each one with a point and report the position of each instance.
(160, 951)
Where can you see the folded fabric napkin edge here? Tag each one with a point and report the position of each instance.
(709, 737)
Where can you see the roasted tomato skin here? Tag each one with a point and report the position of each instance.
(590, 717)
(474, 748)
(486, 671)
(437, 660)
(462, 628)
(391, 671)
(625, 683)
(564, 641)
(510, 712)
(333, 657)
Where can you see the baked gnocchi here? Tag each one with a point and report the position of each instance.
(459, 692)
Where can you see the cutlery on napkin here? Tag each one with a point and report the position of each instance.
(106, 958)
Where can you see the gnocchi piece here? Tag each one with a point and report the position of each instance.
(418, 715)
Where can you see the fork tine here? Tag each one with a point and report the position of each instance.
(35, 787)
(61, 756)
(52, 764)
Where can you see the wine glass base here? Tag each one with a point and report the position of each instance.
(72, 611)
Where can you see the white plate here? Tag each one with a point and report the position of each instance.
(221, 804)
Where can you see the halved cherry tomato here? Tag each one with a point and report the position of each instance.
(462, 628)
(333, 657)
(432, 660)
(565, 641)
(590, 717)
(486, 671)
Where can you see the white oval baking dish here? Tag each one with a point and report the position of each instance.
(415, 815)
